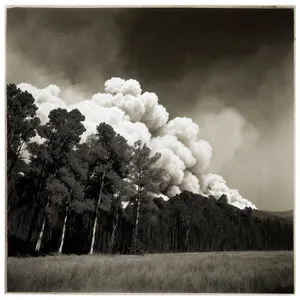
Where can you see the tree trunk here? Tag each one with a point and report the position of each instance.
(37, 198)
(32, 225)
(187, 234)
(93, 236)
(135, 231)
(123, 236)
(112, 240)
(41, 234)
(96, 215)
(10, 192)
(178, 233)
(62, 239)
(148, 238)
(36, 209)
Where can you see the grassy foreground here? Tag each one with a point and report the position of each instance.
(222, 272)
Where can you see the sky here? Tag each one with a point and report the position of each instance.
(230, 70)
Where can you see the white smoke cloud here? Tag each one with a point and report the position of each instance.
(131, 87)
(216, 186)
(173, 190)
(154, 195)
(202, 151)
(45, 99)
(172, 164)
(190, 183)
(155, 115)
(135, 115)
(179, 149)
(183, 128)
(114, 85)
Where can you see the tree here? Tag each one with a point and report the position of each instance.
(73, 176)
(61, 135)
(125, 190)
(146, 177)
(107, 158)
(21, 124)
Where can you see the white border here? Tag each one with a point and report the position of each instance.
(152, 3)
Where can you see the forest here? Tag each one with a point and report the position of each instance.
(102, 195)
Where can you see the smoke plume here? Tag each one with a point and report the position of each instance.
(137, 115)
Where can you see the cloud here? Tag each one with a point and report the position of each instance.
(185, 156)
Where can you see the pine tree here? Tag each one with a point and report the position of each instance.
(146, 177)
(122, 194)
(106, 157)
(61, 135)
(21, 127)
(73, 175)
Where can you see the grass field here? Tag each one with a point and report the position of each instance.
(221, 272)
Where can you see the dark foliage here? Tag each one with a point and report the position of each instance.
(187, 223)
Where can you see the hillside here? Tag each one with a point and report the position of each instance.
(289, 214)
(280, 216)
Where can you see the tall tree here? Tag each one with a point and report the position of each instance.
(121, 195)
(73, 175)
(61, 135)
(107, 158)
(146, 177)
(21, 124)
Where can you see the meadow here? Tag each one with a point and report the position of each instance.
(210, 272)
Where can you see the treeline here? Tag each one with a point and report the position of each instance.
(98, 196)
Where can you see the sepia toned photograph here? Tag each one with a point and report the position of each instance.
(150, 150)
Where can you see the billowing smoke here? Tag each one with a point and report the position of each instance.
(216, 186)
(138, 116)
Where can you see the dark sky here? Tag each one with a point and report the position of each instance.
(231, 70)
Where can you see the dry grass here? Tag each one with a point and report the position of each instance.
(223, 272)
